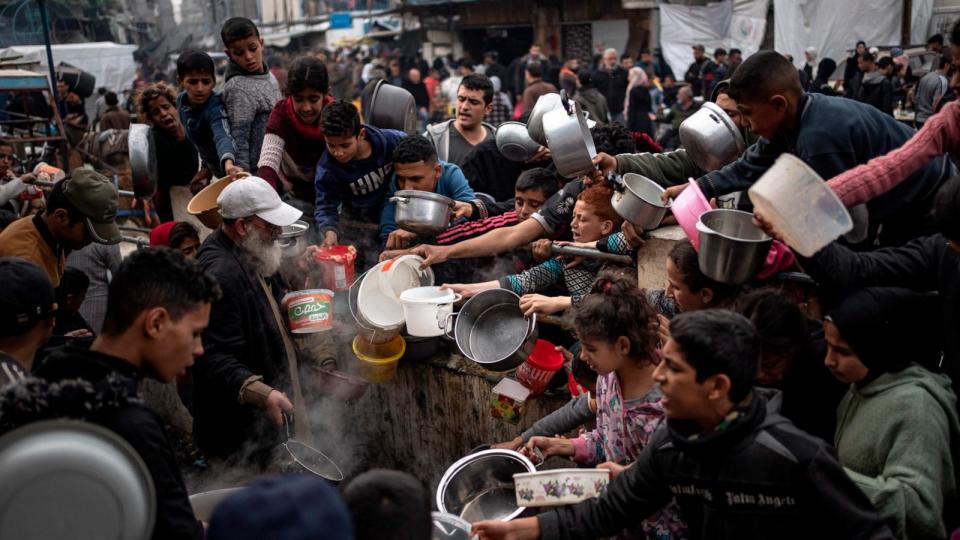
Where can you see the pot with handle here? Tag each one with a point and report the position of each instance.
(711, 138)
(490, 329)
(426, 310)
(422, 212)
(636, 199)
(545, 104)
(142, 152)
(569, 139)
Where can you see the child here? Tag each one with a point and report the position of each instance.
(202, 114)
(593, 218)
(294, 141)
(354, 171)
(688, 289)
(178, 235)
(388, 504)
(249, 90)
(417, 167)
(898, 422)
(618, 341)
(70, 295)
(735, 469)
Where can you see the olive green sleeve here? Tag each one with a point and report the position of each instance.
(667, 169)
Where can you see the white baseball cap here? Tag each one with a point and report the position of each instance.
(253, 196)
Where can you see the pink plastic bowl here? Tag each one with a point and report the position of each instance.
(687, 208)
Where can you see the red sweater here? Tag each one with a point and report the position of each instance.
(288, 141)
(939, 135)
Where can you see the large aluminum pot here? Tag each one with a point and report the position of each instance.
(142, 152)
(637, 199)
(422, 212)
(293, 240)
(545, 104)
(732, 248)
(206, 502)
(711, 138)
(480, 486)
(514, 142)
(73, 479)
(391, 107)
(569, 139)
(490, 330)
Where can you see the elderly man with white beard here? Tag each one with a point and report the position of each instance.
(241, 379)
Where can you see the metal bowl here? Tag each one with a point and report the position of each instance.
(66, 475)
(142, 152)
(449, 527)
(490, 330)
(422, 212)
(514, 142)
(293, 240)
(545, 104)
(480, 486)
(711, 138)
(391, 107)
(732, 248)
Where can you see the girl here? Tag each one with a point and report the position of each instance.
(294, 141)
(898, 422)
(617, 330)
(178, 163)
(688, 289)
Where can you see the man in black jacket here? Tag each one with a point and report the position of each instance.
(239, 381)
(735, 469)
(875, 88)
(158, 305)
(611, 80)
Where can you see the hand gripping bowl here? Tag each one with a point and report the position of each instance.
(480, 486)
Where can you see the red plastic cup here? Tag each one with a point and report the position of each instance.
(535, 373)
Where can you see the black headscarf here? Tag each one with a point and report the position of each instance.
(825, 69)
(889, 328)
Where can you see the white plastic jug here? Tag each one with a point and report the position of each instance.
(799, 204)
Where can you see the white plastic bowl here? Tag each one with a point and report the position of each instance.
(558, 487)
(799, 204)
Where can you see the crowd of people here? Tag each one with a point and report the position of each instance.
(777, 408)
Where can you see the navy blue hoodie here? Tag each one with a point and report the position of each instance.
(360, 184)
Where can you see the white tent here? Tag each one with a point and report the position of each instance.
(111, 63)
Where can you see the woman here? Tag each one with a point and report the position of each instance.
(636, 106)
(178, 162)
(851, 71)
(898, 422)
(294, 141)
(821, 84)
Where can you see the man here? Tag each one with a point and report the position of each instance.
(692, 76)
(455, 138)
(80, 210)
(417, 167)
(935, 43)
(735, 469)
(734, 59)
(27, 310)
(239, 381)
(611, 80)
(159, 305)
(11, 185)
(626, 61)
(570, 68)
(113, 117)
(591, 100)
(493, 67)
(516, 81)
(414, 84)
(875, 89)
(930, 89)
(536, 86)
(713, 71)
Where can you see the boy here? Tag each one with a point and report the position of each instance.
(353, 171)
(159, 304)
(388, 504)
(735, 469)
(27, 313)
(830, 135)
(202, 114)
(249, 90)
(416, 167)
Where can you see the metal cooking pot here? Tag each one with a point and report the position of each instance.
(732, 248)
(514, 142)
(480, 486)
(293, 240)
(205, 502)
(711, 138)
(490, 330)
(637, 199)
(67, 478)
(569, 139)
(422, 212)
(545, 104)
(142, 152)
(391, 107)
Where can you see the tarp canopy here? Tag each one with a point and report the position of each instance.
(111, 63)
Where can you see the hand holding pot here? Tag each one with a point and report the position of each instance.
(543, 154)
(467, 290)
(518, 529)
(614, 468)
(632, 234)
(513, 444)
(551, 446)
(760, 221)
(672, 192)
(544, 305)
(275, 405)
(330, 239)
(605, 163)
(461, 209)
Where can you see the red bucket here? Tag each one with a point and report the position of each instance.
(540, 366)
(337, 264)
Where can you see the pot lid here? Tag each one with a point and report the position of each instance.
(426, 195)
(295, 229)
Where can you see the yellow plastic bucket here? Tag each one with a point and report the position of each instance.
(378, 362)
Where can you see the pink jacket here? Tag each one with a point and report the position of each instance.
(940, 135)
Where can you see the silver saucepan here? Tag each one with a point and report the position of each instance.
(422, 212)
(569, 139)
(636, 199)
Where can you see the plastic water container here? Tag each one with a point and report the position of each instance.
(799, 204)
